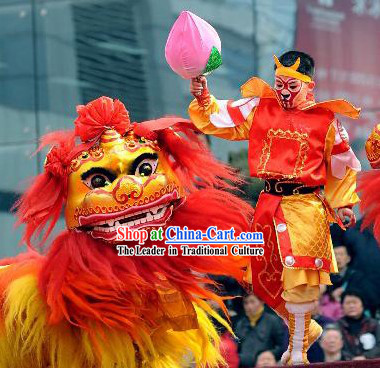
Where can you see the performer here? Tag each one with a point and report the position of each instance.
(302, 152)
(80, 305)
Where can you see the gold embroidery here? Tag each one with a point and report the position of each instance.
(317, 244)
(372, 147)
(95, 153)
(132, 143)
(278, 137)
(269, 275)
(278, 186)
(308, 226)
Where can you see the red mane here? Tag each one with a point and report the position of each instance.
(44, 199)
(85, 278)
(369, 184)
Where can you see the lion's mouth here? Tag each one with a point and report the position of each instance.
(154, 214)
(136, 220)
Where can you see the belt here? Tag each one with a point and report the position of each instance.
(281, 188)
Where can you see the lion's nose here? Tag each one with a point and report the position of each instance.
(124, 189)
(127, 188)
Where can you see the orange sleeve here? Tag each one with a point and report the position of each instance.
(224, 119)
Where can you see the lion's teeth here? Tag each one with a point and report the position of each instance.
(159, 215)
(154, 210)
(147, 215)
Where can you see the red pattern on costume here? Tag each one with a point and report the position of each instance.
(289, 145)
(344, 145)
(340, 148)
(267, 269)
(235, 113)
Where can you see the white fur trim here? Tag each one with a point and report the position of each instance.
(299, 333)
(341, 161)
(222, 118)
(246, 105)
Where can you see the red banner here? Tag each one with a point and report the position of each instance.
(343, 38)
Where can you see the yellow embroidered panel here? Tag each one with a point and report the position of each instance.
(308, 226)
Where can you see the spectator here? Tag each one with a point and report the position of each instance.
(315, 353)
(361, 334)
(328, 306)
(332, 343)
(347, 278)
(365, 254)
(258, 331)
(266, 359)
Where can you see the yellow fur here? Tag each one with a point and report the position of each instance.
(27, 341)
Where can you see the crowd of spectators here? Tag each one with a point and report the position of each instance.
(348, 311)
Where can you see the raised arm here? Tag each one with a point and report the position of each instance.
(225, 119)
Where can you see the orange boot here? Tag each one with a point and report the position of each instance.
(299, 325)
(315, 331)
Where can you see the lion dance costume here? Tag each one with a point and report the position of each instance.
(298, 153)
(80, 305)
(369, 184)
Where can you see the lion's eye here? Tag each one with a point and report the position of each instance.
(98, 181)
(146, 167)
(98, 177)
(95, 181)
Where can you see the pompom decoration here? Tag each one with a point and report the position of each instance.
(54, 162)
(193, 47)
(98, 115)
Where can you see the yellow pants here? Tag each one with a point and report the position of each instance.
(302, 286)
(301, 294)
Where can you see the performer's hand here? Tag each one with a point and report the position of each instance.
(345, 213)
(360, 357)
(197, 85)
